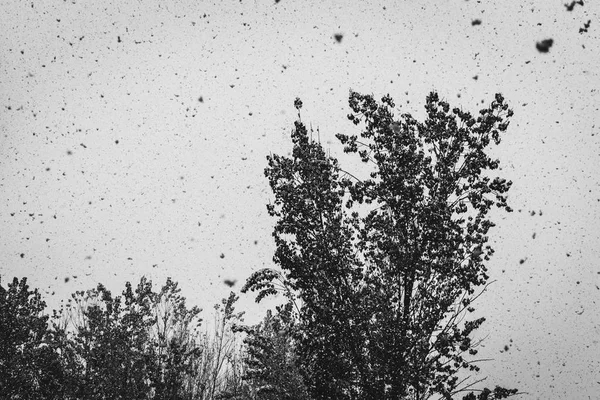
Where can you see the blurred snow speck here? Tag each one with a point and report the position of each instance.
(585, 26)
(230, 282)
(571, 6)
(544, 45)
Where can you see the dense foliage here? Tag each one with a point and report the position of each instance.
(272, 362)
(139, 345)
(386, 267)
(29, 367)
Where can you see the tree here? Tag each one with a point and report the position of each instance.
(175, 344)
(141, 344)
(272, 364)
(29, 365)
(110, 354)
(146, 345)
(387, 267)
(223, 347)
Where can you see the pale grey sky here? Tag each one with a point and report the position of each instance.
(161, 184)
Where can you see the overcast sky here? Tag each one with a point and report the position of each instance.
(133, 137)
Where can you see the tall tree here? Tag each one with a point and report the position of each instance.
(29, 364)
(386, 267)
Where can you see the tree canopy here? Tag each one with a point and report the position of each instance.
(386, 267)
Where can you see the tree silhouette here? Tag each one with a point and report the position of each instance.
(110, 354)
(29, 364)
(385, 268)
(272, 366)
(175, 344)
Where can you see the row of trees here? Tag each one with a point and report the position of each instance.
(139, 345)
(378, 276)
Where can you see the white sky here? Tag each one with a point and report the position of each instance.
(185, 182)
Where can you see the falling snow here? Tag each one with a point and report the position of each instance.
(106, 105)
